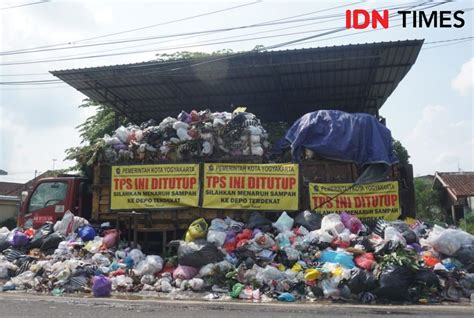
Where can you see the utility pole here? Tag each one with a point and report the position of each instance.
(54, 161)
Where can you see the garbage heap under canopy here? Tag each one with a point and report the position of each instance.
(306, 257)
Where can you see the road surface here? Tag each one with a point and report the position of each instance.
(32, 306)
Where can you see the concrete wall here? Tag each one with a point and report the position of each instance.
(9, 207)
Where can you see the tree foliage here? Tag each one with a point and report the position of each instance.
(99, 124)
(401, 152)
(428, 202)
(93, 128)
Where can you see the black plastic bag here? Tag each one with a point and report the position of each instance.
(38, 239)
(4, 244)
(365, 242)
(465, 255)
(361, 281)
(52, 241)
(311, 221)
(410, 237)
(426, 277)
(198, 253)
(257, 220)
(394, 282)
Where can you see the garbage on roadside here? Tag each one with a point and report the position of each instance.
(202, 134)
(297, 257)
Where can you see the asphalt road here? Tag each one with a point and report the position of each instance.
(23, 305)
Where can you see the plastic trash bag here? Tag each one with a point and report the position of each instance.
(426, 277)
(218, 225)
(284, 223)
(24, 279)
(287, 297)
(5, 268)
(94, 245)
(111, 238)
(365, 261)
(216, 237)
(148, 279)
(52, 241)
(17, 238)
(233, 225)
(185, 272)
(86, 233)
(136, 255)
(122, 282)
(361, 281)
(236, 290)
(196, 230)
(101, 286)
(66, 225)
(465, 254)
(330, 288)
(351, 222)
(4, 232)
(394, 237)
(45, 230)
(269, 274)
(101, 259)
(332, 223)
(449, 241)
(337, 257)
(196, 284)
(122, 134)
(309, 220)
(257, 220)
(198, 253)
(150, 265)
(394, 282)
(111, 140)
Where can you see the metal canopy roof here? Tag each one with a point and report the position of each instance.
(275, 85)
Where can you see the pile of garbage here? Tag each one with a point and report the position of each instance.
(189, 136)
(308, 257)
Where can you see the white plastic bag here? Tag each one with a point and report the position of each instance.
(196, 284)
(136, 255)
(391, 234)
(66, 225)
(111, 140)
(4, 233)
(122, 134)
(122, 281)
(332, 223)
(284, 223)
(101, 259)
(216, 237)
(449, 241)
(148, 279)
(269, 274)
(149, 266)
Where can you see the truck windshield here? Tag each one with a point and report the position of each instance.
(47, 194)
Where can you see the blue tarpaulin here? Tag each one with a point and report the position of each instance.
(338, 135)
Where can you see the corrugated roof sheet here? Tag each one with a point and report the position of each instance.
(461, 184)
(275, 85)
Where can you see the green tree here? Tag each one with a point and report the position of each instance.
(99, 124)
(401, 152)
(94, 127)
(428, 203)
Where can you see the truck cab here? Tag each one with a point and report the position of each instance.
(50, 198)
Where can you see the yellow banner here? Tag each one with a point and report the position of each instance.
(251, 186)
(154, 186)
(368, 201)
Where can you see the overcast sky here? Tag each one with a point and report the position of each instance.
(431, 111)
